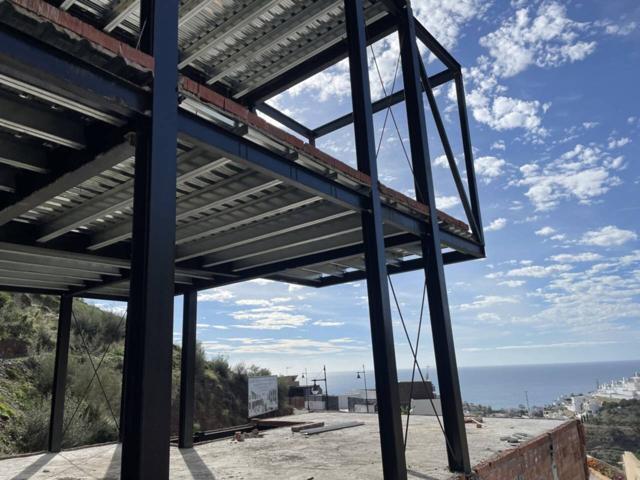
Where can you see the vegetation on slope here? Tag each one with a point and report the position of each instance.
(614, 430)
(28, 326)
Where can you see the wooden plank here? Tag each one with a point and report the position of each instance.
(307, 426)
(330, 428)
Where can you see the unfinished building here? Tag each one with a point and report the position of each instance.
(107, 107)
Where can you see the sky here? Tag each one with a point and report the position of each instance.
(552, 91)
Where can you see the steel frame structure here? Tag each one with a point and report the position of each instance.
(91, 142)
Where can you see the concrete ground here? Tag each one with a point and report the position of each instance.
(352, 453)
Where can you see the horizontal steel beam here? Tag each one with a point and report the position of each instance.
(82, 87)
(299, 261)
(286, 120)
(395, 7)
(267, 206)
(312, 214)
(92, 166)
(22, 155)
(232, 189)
(382, 104)
(298, 54)
(347, 235)
(7, 180)
(119, 197)
(16, 265)
(319, 227)
(45, 125)
(25, 286)
(52, 279)
(219, 140)
(449, 258)
(319, 62)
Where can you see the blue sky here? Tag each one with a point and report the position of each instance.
(552, 89)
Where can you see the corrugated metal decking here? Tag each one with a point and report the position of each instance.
(232, 220)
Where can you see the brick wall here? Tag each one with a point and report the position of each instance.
(555, 455)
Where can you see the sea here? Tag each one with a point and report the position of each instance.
(505, 386)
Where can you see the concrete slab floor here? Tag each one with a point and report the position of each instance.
(352, 453)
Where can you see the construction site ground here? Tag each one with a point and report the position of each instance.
(352, 453)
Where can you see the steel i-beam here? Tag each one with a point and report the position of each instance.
(60, 374)
(147, 403)
(188, 368)
(448, 381)
(393, 460)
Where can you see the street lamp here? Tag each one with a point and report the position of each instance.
(305, 375)
(366, 394)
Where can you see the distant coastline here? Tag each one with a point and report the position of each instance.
(505, 386)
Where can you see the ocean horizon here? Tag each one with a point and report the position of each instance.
(504, 386)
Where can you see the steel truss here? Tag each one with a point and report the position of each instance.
(228, 172)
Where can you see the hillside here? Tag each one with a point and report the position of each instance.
(614, 430)
(27, 348)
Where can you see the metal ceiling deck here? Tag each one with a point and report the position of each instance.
(234, 219)
(237, 44)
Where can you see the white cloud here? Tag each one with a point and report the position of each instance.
(537, 271)
(619, 29)
(443, 18)
(608, 236)
(505, 113)
(576, 257)
(592, 301)
(545, 231)
(446, 202)
(216, 295)
(536, 346)
(270, 318)
(489, 317)
(618, 142)
(486, 301)
(253, 302)
(498, 145)
(489, 167)
(583, 173)
(290, 346)
(497, 224)
(441, 161)
(512, 283)
(546, 39)
(322, 323)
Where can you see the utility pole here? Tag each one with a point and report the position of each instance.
(366, 393)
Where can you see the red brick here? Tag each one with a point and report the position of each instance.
(563, 447)
(69, 22)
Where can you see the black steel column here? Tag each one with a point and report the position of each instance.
(188, 368)
(124, 376)
(393, 460)
(147, 403)
(431, 251)
(60, 374)
(468, 153)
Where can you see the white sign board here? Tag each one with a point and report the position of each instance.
(263, 395)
